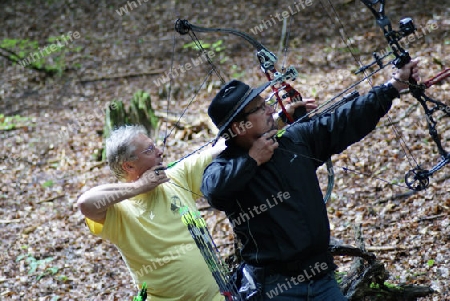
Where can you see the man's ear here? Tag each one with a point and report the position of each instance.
(128, 166)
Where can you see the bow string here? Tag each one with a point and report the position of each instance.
(416, 179)
(192, 218)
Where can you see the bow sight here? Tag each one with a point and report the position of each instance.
(393, 37)
(407, 27)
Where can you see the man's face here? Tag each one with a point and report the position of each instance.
(148, 155)
(259, 114)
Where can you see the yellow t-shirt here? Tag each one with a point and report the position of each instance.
(156, 246)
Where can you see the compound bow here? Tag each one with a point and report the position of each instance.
(417, 178)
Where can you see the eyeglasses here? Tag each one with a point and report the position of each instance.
(149, 150)
(268, 102)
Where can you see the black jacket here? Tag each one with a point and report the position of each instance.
(277, 209)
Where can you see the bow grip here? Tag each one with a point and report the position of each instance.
(295, 96)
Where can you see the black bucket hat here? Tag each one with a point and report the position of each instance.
(230, 101)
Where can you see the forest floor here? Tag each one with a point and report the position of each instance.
(52, 154)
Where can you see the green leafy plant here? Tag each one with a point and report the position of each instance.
(48, 271)
(314, 92)
(32, 262)
(8, 123)
(29, 54)
(237, 74)
(390, 285)
(384, 286)
(217, 47)
(62, 278)
(48, 183)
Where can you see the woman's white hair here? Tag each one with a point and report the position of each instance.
(120, 148)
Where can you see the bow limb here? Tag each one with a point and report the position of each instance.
(184, 27)
(330, 184)
(266, 59)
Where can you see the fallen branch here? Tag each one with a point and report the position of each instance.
(432, 217)
(8, 221)
(96, 165)
(131, 75)
(386, 248)
(50, 199)
(442, 179)
(14, 57)
(346, 250)
(396, 196)
(410, 193)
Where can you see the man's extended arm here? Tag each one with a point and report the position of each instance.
(94, 203)
(331, 134)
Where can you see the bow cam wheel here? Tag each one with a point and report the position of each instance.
(417, 179)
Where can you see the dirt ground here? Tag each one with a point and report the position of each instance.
(53, 153)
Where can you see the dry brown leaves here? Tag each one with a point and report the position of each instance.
(47, 251)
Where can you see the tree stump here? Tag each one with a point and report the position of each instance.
(140, 112)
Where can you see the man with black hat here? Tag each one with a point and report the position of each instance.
(269, 189)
